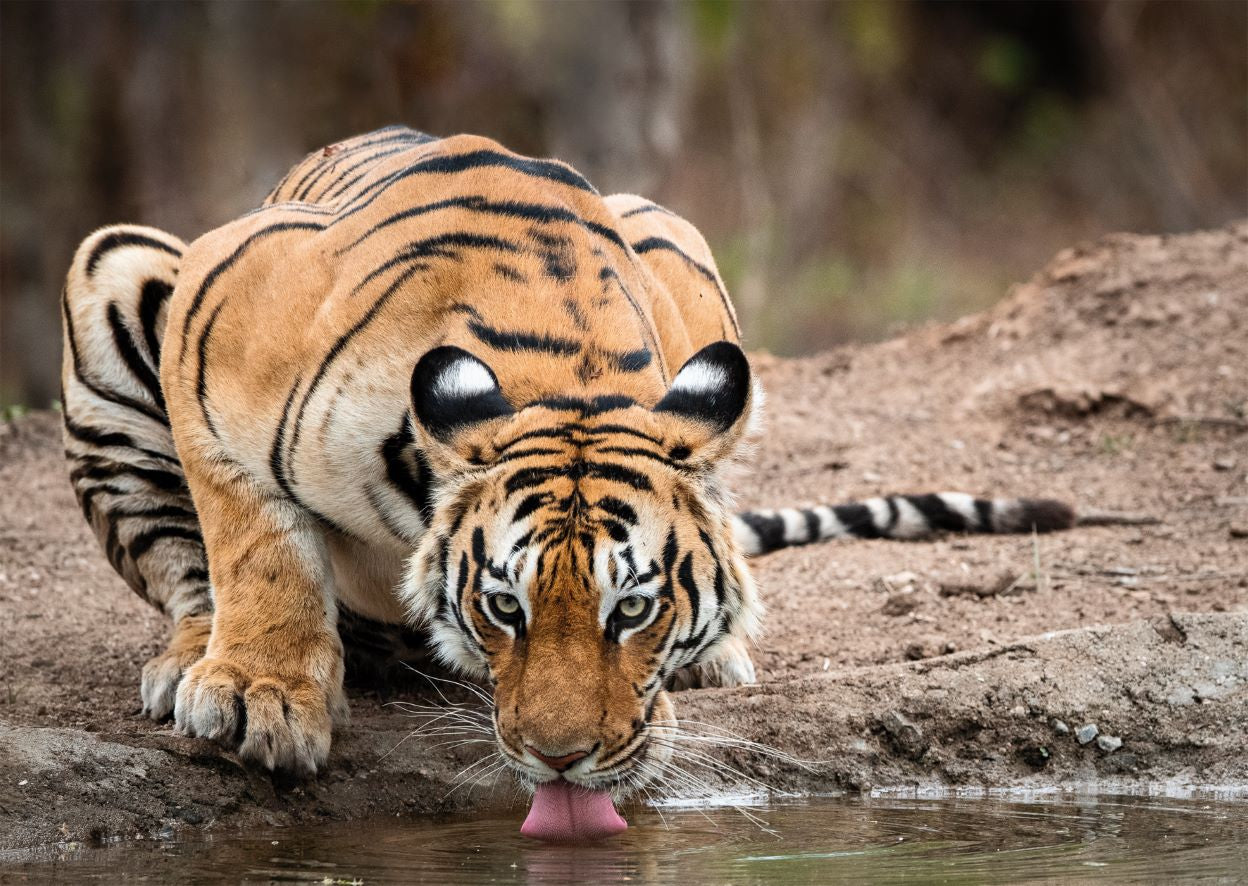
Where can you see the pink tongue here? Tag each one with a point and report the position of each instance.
(564, 811)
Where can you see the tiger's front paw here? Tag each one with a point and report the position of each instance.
(162, 674)
(278, 722)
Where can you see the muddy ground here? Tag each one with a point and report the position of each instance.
(1116, 379)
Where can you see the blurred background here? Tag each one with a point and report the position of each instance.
(857, 166)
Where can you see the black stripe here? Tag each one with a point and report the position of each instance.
(417, 489)
(617, 473)
(527, 478)
(346, 184)
(177, 512)
(530, 504)
(130, 355)
(939, 516)
(858, 520)
(573, 310)
(629, 361)
(461, 586)
(600, 430)
(340, 344)
(338, 179)
(276, 459)
(534, 212)
(586, 408)
(101, 469)
(361, 142)
(720, 589)
(685, 577)
(516, 340)
(893, 515)
(319, 157)
(118, 239)
(616, 530)
(142, 542)
(770, 530)
(638, 452)
(201, 371)
(341, 185)
(451, 163)
(96, 437)
(86, 498)
(440, 246)
(647, 328)
(983, 510)
(620, 510)
(527, 453)
(652, 207)
(812, 524)
(331, 162)
(564, 433)
(515, 275)
(650, 244)
(119, 399)
(198, 301)
(669, 557)
(154, 294)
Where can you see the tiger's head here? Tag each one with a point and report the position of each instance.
(580, 553)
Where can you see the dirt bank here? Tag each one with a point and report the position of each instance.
(1117, 378)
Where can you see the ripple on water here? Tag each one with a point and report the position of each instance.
(800, 841)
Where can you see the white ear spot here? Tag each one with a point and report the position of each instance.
(464, 378)
(697, 378)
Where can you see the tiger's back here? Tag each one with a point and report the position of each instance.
(292, 331)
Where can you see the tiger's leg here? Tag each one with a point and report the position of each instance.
(123, 466)
(731, 665)
(271, 682)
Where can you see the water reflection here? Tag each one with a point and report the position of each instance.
(810, 841)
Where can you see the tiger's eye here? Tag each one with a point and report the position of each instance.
(506, 604)
(632, 607)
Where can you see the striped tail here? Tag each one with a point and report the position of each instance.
(123, 464)
(898, 516)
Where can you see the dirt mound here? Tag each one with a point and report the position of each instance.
(1117, 378)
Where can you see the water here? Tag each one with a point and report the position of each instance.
(808, 841)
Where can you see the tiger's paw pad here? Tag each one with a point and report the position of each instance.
(161, 675)
(280, 724)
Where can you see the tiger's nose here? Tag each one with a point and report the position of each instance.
(559, 764)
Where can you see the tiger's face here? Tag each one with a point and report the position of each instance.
(581, 552)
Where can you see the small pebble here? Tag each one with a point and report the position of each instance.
(1060, 727)
(900, 604)
(1108, 743)
(1239, 530)
(1086, 733)
(1224, 464)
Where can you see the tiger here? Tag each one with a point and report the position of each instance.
(435, 395)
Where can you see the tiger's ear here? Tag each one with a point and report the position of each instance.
(711, 400)
(456, 400)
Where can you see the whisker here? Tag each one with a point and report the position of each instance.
(460, 684)
(718, 766)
